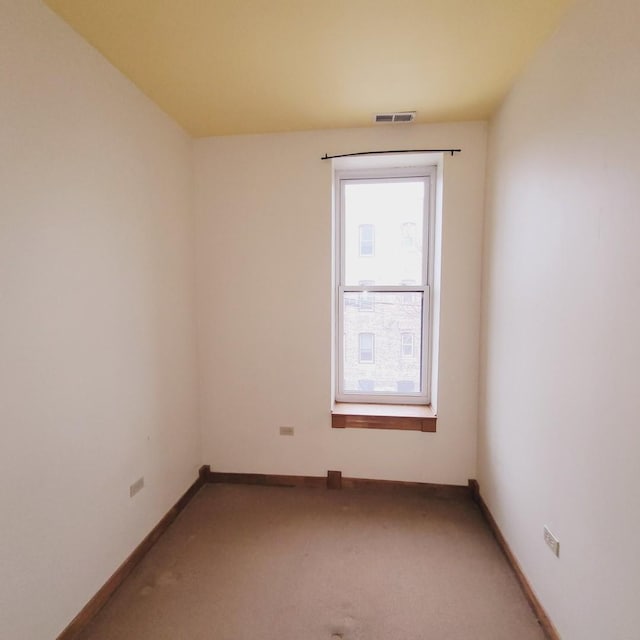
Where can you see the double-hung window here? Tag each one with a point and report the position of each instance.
(384, 251)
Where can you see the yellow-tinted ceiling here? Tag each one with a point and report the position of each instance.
(253, 66)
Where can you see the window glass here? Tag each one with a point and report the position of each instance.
(375, 343)
(376, 244)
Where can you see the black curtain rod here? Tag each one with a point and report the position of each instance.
(373, 153)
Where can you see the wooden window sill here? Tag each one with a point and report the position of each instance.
(399, 417)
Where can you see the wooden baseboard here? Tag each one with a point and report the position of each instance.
(267, 480)
(538, 610)
(98, 601)
(447, 491)
(333, 480)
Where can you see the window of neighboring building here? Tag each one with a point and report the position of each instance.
(395, 271)
(366, 234)
(408, 297)
(407, 345)
(366, 347)
(366, 299)
(408, 235)
(405, 386)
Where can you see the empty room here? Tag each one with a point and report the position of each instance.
(319, 320)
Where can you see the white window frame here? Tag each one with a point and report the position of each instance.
(429, 174)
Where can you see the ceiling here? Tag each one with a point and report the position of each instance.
(223, 67)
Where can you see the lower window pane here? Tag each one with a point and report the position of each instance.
(383, 348)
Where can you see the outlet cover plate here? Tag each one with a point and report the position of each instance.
(136, 487)
(552, 542)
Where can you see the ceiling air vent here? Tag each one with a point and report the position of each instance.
(398, 116)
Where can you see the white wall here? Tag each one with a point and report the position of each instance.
(264, 238)
(560, 403)
(97, 353)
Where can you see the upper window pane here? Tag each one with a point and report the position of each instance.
(383, 231)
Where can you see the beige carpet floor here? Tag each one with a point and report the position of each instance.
(270, 563)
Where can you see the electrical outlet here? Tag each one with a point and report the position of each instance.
(286, 431)
(552, 542)
(136, 487)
